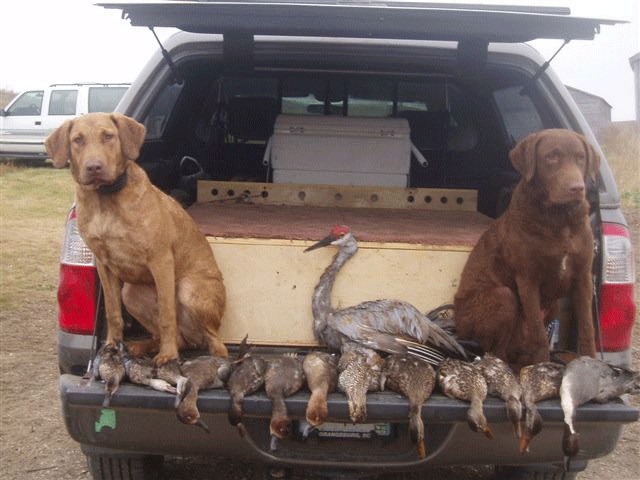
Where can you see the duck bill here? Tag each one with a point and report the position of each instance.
(322, 243)
(517, 429)
(200, 423)
(274, 443)
(488, 433)
(525, 439)
(308, 430)
(422, 450)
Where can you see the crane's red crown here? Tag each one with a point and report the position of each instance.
(340, 231)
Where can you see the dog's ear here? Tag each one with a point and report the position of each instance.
(593, 159)
(131, 135)
(58, 146)
(523, 156)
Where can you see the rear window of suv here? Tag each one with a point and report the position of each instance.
(63, 102)
(105, 99)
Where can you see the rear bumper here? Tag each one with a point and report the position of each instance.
(142, 421)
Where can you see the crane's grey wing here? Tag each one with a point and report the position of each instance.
(396, 318)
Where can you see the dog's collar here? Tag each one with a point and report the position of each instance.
(116, 186)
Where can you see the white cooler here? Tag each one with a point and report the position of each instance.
(340, 150)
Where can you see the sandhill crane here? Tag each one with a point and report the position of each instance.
(391, 326)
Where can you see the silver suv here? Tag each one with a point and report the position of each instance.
(460, 85)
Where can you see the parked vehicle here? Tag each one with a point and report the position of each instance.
(395, 120)
(33, 114)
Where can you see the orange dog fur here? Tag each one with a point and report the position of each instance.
(538, 251)
(150, 254)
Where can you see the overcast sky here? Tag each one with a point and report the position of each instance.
(58, 41)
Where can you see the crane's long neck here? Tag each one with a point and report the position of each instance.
(321, 302)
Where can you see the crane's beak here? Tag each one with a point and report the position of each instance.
(322, 243)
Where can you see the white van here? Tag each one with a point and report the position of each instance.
(29, 118)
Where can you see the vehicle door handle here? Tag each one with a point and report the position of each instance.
(38, 122)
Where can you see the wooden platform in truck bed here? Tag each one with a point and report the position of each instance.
(438, 228)
(413, 244)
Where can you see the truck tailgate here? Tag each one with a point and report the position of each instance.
(145, 420)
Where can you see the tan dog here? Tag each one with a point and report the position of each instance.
(538, 251)
(149, 252)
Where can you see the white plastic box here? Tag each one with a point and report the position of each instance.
(340, 150)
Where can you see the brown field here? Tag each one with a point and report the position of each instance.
(33, 440)
(621, 146)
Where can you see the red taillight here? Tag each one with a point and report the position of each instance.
(77, 299)
(617, 299)
(77, 290)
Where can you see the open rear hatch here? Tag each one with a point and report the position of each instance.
(473, 26)
(370, 19)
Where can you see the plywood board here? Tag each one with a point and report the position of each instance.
(270, 283)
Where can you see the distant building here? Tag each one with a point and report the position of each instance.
(635, 66)
(595, 109)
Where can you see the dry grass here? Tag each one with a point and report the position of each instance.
(34, 206)
(6, 96)
(621, 145)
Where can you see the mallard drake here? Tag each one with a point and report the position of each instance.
(464, 381)
(109, 365)
(359, 370)
(539, 382)
(204, 372)
(321, 372)
(503, 383)
(246, 378)
(283, 377)
(586, 379)
(414, 378)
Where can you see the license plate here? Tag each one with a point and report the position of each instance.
(350, 430)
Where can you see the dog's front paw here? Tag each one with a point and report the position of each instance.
(162, 358)
(141, 348)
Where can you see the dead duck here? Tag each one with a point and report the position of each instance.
(204, 372)
(464, 381)
(321, 372)
(110, 362)
(246, 378)
(283, 377)
(171, 373)
(142, 371)
(359, 370)
(415, 379)
(586, 379)
(539, 382)
(503, 383)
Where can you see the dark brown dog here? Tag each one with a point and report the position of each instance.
(538, 251)
(149, 252)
